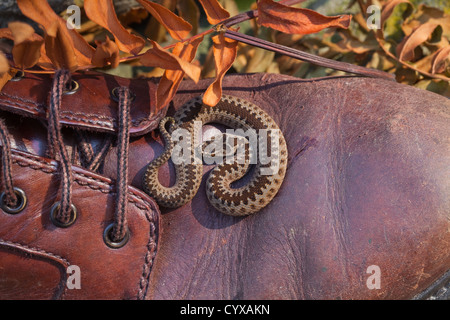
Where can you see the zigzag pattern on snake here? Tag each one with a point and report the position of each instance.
(248, 199)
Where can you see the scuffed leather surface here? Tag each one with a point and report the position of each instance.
(35, 254)
(367, 184)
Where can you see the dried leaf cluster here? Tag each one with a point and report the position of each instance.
(413, 43)
(171, 40)
(64, 48)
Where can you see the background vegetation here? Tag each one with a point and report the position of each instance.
(413, 42)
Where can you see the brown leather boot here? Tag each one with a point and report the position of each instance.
(363, 212)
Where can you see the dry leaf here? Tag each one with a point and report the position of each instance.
(215, 13)
(352, 44)
(388, 8)
(27, 45)
(59, 48)
(405, 49)
(170, 81)
(296, 20)
(6, 33)
(189, 11)
(106, 53)
(178, 28)
(426, 14)
(4, 64)
(4, 78)
(41, 12)
(5, 73)
(158, 57)
(440, 59)
(103, 13)
(225, 51)
(133, 15)
(44, 62)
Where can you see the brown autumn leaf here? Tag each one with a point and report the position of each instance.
(59, 47)
(215, 13)
(158, 57)
(106, 53)
(178, 28)
(103, 13)
(44, 62)
(5, 72)
(6, 33)
(388, 8)
(27, 45)
(296, 20)
(4, 78)
(41, 12)
(428, 14)
(225, 52)
(170, 81)
(189, 11)
(4, 64)
(405, 49)
(439, 61)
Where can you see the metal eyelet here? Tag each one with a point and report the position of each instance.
(18, 76)
(54, 210)
(71, 87)
(115, 95)
(113, 244)
(22, 202)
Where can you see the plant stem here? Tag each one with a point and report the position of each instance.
(304, 56)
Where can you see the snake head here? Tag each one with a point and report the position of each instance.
(167, 122)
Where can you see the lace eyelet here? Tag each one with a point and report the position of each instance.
(22, 202)
(71, 87)
(113, 244)
(18, 76)
(54, 210)
(115, 95)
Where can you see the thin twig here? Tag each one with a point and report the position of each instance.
(304, 56)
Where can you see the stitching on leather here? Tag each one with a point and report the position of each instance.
(17, 104)
(148, 208)
(90, 118)
(107, 188)
(38, 251)
(39, 105)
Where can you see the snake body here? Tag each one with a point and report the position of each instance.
(236, 201)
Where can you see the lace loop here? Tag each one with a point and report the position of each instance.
(64, 213)
(10, 198)
(120, 228)
(57, 149)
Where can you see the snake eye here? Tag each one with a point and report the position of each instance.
(171, 124)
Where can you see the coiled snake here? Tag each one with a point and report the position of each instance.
(239, 201)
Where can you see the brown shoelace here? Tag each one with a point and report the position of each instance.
(64, 209)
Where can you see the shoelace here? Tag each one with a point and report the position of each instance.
(63, 213)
